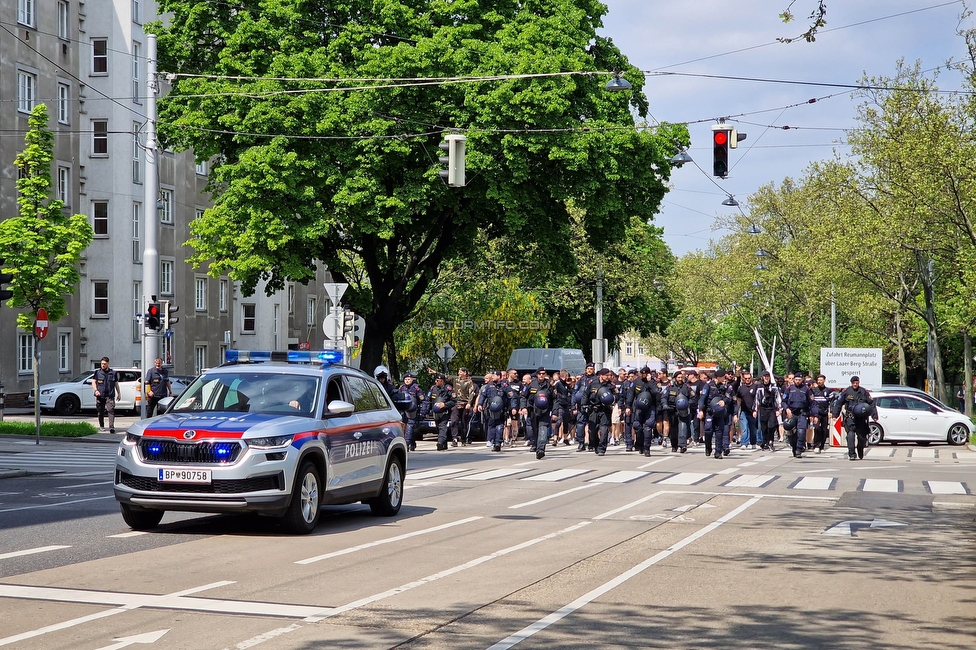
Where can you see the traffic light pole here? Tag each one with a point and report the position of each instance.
(150, 254)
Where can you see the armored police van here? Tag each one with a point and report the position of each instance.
(530, 359)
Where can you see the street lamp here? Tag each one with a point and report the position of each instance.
(618, 83)
(730, 202)
(681, 158)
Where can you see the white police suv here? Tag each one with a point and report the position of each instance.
(277, 433)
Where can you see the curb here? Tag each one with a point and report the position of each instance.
(971, 446)
(95, 437)
(21, 473)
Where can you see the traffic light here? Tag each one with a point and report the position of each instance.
(5, 294)
(348, 321)
(721, 141)
(168, 311)
(454, 172)
(153, 314)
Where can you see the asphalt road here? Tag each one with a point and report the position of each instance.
(499, 550)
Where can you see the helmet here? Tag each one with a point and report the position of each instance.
(682, 405)
(789, 423)
(381, 370)
(496, 404)
(577, 397)
(405, 402)
(862, 410)
(716, 405)
(606, 396)
(643, 400)
(541, 402)
(439, 407)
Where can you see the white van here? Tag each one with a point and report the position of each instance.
(552, 359)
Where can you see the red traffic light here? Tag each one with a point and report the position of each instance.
(721, 137)
(154, 310)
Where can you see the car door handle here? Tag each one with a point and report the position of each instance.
(357, 435)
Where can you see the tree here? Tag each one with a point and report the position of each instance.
(42, 245)
(323, 120)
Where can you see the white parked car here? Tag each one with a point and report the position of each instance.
(72, 396)
(905, 416)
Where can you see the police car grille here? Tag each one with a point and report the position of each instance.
(219, 486)
(167, 451)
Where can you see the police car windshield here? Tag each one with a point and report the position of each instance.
(251, 392)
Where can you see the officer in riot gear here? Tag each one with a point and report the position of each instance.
(412, 395)
(537, 402)
(440, 401)
(600, 398)
(798, 400)
(820, 413)
(562, 409)
(857, 407)
(583, 410)
(493, 408)
(714, 405)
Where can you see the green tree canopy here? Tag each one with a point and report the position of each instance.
(325, 143)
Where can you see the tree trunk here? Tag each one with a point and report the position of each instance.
(391, 359)
(900, 345)
(927, 276)
(967, 359)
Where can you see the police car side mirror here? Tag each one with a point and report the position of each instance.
(338, 407)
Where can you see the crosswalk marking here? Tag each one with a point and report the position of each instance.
(881, 485)
(623, 476)
(921, 453)
(685, 478)
(434, 473)
(814, 483)
(98, 456)
(946, 487)
(495, 473)
(751, 480)
(557, 475)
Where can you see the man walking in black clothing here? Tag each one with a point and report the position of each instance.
(107, 390)
(157, 386)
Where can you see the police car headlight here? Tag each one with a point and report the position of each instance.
(271, 442)
(132, 439)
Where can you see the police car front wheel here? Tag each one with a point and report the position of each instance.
(140, 518)
(303, 511)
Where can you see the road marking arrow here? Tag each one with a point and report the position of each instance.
(848, 528)
(146, 638)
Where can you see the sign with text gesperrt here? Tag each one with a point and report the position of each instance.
(840, 364)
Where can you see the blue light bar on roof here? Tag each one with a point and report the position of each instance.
(291, 356)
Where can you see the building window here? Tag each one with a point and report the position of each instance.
(64, 92)
(64, 185)
(200, 294)
(137, 232)
(136, 154)
(640, 350)
(25, 353)
(291, 299)
(136, 12)
(26, 91)
(99, 137)
(100, 218)
(136, 56)
(223, 295)
(166, 212)
(202, 168)
(199, 358)
(100, 298)
(166, 353)
(63, 16)
(247, 319)
(64, 351)
(25, 12)
(137, 308)
(99, 56)
(166, 277)
(630, 349)
(310, 311)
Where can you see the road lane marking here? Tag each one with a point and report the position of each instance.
(267, 636)
(557, 475)
(55, 505)
(434, 473)
(628, 506)
(551, 496)
(492, 474)
(31, 551)
(623, 476)
(881, 485)
(388, 540)
(729, 470)
(60, 626)
(589, 597)
(945, 487)
(72, 487)
(131, 533)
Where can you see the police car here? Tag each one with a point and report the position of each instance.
(276, 433)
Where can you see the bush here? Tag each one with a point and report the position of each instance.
(52, 429)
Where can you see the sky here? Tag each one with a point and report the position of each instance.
(738, 39)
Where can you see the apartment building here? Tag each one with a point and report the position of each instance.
(87, 62)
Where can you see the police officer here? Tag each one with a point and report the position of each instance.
(713, 406)
(441, 400)
(563, 408)
(158, 386)
(693, 389)
(412, 392)
(769, 402)
(677, 410)
(820, 413)
(105, 384)
(513, 391)
(857, 407)
(493, 406)
(382, 375)
(582, 409)
(646, 397)
(797, 399)
(600, 398)
(537, 407)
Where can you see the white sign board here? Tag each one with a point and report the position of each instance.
(840, 364)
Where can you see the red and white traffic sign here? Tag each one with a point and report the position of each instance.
(40, 323)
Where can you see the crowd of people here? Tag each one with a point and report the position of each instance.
(639, 409)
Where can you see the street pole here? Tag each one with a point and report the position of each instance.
(37, 389)
(599, 316)
(833, 318)
(150, 254)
